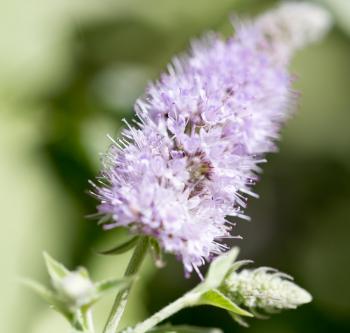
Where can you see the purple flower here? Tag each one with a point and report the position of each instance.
(203, 129)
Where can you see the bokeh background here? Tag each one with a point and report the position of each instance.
(70, 70)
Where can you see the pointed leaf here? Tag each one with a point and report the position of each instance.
(239, 320)
(121, 248)
(219, 268)
(119, 284)
(102, 287)
(40, 289)
(258, 315)
(184, 329)
(216, 298)
(49, 297)
(55, 269)
(238, 265)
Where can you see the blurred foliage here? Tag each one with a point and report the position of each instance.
(70, 70)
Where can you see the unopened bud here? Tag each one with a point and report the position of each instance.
(266, 289)
(77, 289)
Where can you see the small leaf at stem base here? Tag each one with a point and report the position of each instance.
(216, 298)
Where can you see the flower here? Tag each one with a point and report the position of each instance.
(265, 288)
(202, 131)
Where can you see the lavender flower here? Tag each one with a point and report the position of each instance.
(202, 132)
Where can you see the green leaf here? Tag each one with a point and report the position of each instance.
(55, 269)
(119, 284)
(237, 265)
(49, 297)
(258, 315)
(184, 329)
(121, 248)
(239, 320)
(216, 298)
(219, 268)
(104, 286)
(40, 289)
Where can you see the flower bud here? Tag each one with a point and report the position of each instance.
(76, 289)
(266, 289)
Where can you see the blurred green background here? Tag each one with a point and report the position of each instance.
(70, 70)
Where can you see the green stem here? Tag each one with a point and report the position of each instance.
(186, 300)
(90, 322)
(122, 297)
(86, 320)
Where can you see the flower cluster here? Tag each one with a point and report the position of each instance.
(202, 131)
(266, 289)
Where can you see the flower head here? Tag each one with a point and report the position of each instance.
(266, 289)
(203, 129)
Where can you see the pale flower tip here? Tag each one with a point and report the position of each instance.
(265, 289)
(304, 296)
(318, 20)
(293, 25)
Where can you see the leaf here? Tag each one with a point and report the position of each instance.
(237, 265)
(184, 329)
(258, 315)
(40, 289)
(216, 298)
(239, 320)
(106, 285)
(49, 297)
(219, 268)
(55, 269)
(121, 248)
